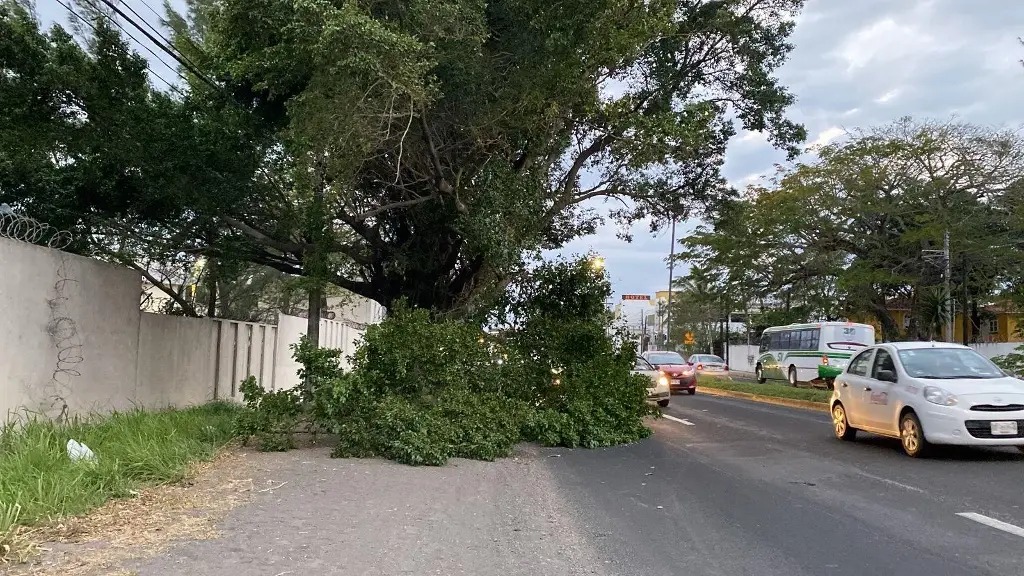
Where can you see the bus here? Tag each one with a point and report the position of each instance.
(809, 352)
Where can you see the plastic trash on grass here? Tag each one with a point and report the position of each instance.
(79, 452)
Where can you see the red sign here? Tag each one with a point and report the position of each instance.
(636, 297)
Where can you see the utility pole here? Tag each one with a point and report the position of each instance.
(949, 293)
(932, 256)
(669, 344)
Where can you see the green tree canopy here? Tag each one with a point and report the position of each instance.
(850, 231)
(401, 150)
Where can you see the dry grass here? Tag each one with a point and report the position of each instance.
(103, 541)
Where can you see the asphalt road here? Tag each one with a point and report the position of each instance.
(746, 488)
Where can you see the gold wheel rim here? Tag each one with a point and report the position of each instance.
(910, 435)
(839, 420)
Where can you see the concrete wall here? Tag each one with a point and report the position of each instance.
(70, 331)
(177, 360)
(72, 338)
(995, 349)
(335, 334)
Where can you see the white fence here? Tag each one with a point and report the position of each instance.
(73, 339)
(743, 357)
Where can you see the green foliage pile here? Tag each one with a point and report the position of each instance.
(271, 417)
(423, 389)
(1012, 362)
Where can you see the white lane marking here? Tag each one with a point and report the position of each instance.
(680, 420)
(993, 523)
(891, 482)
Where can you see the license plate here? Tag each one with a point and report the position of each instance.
(712, 369)
(675, 382)
(1004, 428)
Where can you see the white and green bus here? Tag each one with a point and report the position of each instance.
(808, 352)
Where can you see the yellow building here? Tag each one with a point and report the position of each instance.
(1002, 322)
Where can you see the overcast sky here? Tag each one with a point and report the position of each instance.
(856, 63)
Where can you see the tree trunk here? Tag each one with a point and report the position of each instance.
(313, 321)
(890, 331)
(211, 288)
(975, 316)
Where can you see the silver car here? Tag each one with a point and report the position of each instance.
(709, 365)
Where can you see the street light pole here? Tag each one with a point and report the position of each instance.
(669, 345)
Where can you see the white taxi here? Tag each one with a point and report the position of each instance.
(927, 393)
(659, 391)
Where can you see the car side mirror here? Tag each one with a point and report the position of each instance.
(689, 363)
(887, 376)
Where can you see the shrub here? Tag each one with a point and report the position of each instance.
(271, 417)
(1012, 362)
(423, 390)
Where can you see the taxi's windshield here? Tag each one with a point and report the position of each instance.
(665, 358)
(948, 364)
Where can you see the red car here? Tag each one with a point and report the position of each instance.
(681, 376)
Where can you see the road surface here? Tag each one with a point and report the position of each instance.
(724, 487)
(730, 487)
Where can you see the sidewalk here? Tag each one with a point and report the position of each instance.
(312, 515)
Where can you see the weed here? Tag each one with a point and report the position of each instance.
(38, 482)
(773, 390)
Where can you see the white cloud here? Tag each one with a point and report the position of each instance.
(885, 41)
(889, 96)
(826, 136)
(751, 138)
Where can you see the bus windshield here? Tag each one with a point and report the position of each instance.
(849, 337)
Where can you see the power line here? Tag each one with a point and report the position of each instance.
(166, 45)
(146, 22)
(95, 29)
(180, 59)
(151, 9)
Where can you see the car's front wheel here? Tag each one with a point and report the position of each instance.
(759, 372)
(912, 436)
(840, 424)
(663, 403)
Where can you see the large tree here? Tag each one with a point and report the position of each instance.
(428, 144)
(416, 149)
(91, 147)
(859, 223)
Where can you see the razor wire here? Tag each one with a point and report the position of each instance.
(31, 231)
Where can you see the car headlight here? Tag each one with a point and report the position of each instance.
(663, 381)
(937, 395)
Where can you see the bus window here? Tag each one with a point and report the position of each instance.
(805, 340)
(850, 337)
(776, 341)
(766, 341)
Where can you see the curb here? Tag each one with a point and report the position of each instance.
(788, 402)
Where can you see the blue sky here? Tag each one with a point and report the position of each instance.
(856, 63)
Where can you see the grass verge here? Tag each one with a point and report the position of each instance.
(38, 482)
(773, 390)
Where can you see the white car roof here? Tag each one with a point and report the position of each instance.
(922, 345)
